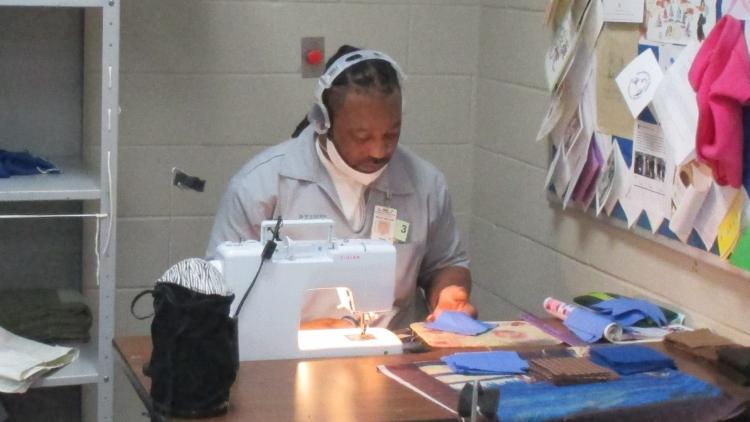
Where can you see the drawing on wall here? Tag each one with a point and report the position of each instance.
(679, 21)
(560, 50)
(605, 182)
(639, 84)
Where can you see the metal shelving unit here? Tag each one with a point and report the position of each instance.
(96, 183)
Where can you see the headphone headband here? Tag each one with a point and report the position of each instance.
(318, 116)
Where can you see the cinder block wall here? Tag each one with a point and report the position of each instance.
(205, 84)
(524, 249)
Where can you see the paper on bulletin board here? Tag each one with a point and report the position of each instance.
(561, 50)
(615, 49)
(715, 208)
(729, 229)
(651, 174)
(580, 155)
(623, 10)
(639, 80)
(679, 22)
(692, 182)
(740, 9)
(676, 108)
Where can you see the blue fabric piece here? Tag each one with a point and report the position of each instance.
(631, 359)
(624, 305)
(628, 319)
(23, 163)
(460, 323)
(542, 401)
(587, 325)
(479, 363)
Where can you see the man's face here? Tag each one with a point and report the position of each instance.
(366, 128)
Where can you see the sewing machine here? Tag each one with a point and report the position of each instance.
(269, 320)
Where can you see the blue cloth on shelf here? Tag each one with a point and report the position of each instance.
(542, 401)
(480, 363)
(23, 163)
(588, 325)
(631, 358)
(626, 311)
(460, 323)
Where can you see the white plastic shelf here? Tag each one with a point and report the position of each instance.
(83, 370)
(54, 3)
(74, 183)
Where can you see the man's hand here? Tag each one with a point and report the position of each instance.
(450, 292)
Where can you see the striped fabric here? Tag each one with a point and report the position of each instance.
(198, 275)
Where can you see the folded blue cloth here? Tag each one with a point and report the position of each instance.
(631, 359)
(23, 163)
(480, 363)
(460, 323)
(588, 325)
(626, 311)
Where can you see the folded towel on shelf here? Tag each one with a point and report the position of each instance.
(45, 315)
(23, 361)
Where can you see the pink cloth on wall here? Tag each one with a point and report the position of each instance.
(720, 75)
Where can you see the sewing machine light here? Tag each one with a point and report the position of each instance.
(268, 325)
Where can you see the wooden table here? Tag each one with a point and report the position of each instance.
(340, 389)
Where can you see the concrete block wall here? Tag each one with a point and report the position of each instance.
(523, 248)
(206, 84)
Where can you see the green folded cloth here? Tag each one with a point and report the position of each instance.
(45, 315)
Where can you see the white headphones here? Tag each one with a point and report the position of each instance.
(318, 115)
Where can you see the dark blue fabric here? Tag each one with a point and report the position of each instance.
(542, 401)
(23, 163)
(631, 359)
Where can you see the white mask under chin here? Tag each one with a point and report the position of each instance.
(348, 171)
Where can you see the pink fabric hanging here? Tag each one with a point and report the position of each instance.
(720, 75)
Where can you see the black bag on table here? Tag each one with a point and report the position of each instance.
(195, 354)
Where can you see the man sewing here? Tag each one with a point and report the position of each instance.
(344, 163)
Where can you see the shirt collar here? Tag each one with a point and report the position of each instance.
(302, 163)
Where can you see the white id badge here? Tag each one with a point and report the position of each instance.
(383, 223)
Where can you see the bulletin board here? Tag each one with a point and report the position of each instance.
(641, 134)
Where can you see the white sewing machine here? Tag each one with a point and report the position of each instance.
(270, 317)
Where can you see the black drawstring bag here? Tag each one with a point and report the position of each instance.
(195, 354)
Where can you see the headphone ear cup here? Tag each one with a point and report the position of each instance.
(318, 117)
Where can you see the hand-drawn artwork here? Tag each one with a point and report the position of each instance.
(639, 84)
(680, 21)
(605, 182)
(740, 9)
(572, 131)
(560, 50)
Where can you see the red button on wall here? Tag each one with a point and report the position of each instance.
(314, 57)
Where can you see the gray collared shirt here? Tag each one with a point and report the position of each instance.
(289, 180)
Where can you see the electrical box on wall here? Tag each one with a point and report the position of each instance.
(312, 56)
